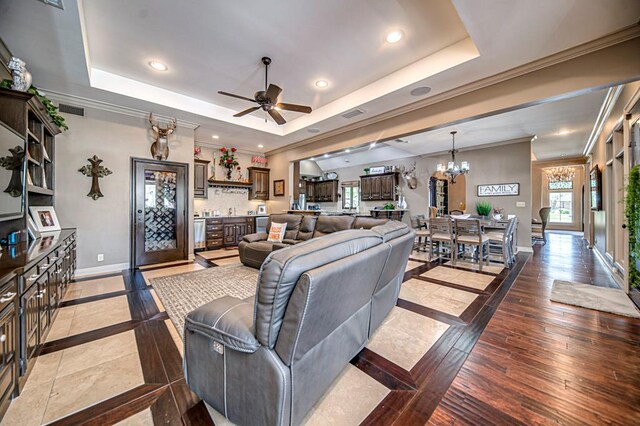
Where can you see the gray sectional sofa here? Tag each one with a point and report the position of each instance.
(268, 359)
(254, 248)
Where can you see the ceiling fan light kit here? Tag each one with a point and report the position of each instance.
(267, 99)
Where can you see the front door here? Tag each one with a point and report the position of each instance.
(159, 211)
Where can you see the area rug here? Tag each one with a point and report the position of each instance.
(589, 296)
(182, 293)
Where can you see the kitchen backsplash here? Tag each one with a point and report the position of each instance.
(221, 200)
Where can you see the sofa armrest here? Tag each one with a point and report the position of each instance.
(258, 236)
(228, 321)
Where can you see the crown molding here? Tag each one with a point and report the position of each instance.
(218, 146)
(603, 115)
(116, 109)
(609, 40)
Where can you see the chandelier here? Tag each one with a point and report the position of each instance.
(560, 174)
(452, 170)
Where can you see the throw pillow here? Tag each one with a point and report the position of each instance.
(276, 232)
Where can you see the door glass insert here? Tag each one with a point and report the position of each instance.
(160, 216)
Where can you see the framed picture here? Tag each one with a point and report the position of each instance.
(33, 229)
(377, 170)
(498, 190)
(262, 209)
(45, 218)
(278, 187)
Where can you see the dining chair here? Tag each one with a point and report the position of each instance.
(501, 243)
(421, 225)
(539, 229)
(441, 236)
(456, 212)
(468, 232)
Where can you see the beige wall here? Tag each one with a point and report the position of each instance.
(497, 164)
(218, 198)
(103, 225)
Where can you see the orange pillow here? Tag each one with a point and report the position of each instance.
(276, 232)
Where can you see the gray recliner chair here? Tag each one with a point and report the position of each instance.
(268, 359)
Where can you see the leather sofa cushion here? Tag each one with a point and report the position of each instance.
(282, 269)
(292, 221)
(390, 230)
(307, 227)
(364, 222)
(291, 242)
(330, 224)
(226, 320)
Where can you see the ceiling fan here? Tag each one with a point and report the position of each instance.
(267, 99)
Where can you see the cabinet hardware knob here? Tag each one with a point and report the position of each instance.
(3, 338)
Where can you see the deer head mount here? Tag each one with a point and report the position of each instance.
(160, 148)
(409, 176)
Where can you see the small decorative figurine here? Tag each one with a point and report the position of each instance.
(95, 171)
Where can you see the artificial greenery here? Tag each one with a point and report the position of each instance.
(632, 214)
(52, 110)
(366, 170)
(388, 206)
(483, 208)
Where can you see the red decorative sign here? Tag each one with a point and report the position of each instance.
(259, 160)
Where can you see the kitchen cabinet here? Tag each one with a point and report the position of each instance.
(200, 183)
(380, 187)
(228, 231)
(325, 191)
(259, 177)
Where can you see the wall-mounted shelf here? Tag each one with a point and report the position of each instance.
(228, 184)
(39, 190)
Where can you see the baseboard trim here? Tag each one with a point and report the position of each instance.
(100, 270)
(612, 270)
(524, 249)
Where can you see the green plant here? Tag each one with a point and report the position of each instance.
(388, 206)
(483, 208)
(632, 215)
(52, 110)
(366, 170)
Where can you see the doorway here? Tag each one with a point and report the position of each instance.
(159, 225)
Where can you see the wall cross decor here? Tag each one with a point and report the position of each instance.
(13, 163)
(95, 171)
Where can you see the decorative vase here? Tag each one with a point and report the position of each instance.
(228, 174)
(403, 203)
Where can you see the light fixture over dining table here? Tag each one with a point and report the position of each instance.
(452, 170)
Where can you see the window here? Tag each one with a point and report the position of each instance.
(350, 197)
(561, 185)
(561, 207)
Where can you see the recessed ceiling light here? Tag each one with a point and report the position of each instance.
(347, 150)
(346, 160)
(260, 146)
(420, 91)
(312, 158)
(313, 130)
(394, 36)
(322, 84)
(215, 137)
(563, 132)
(158, 66)
(326, 155)
(372, 145)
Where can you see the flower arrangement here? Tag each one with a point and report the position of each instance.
(228, 160)
(196, 151)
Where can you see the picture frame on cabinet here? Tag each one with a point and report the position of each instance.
(32, 228)
(45, 218)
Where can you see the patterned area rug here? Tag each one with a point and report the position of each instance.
(589, 296)
(182, 293)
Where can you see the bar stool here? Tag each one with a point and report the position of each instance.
(469, 232)
(441, 235)
(501, 243)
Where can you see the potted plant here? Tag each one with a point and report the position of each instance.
(366, 170)
(483, 208)
(228, 160)
(388, 206)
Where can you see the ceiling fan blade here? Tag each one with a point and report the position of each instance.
(237, 96)
(246, 111)
(294, 107)
(273, 92)
(277, 117)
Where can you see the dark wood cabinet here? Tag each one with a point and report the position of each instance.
(380, 187)
(200, 175)
(228, 231)
(259, 177)
(9, 339)
(325, 191)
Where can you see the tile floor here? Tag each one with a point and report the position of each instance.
(72, 379)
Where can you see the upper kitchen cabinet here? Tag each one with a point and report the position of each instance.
(200, 184)
(380, 187)
(259, 177)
